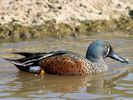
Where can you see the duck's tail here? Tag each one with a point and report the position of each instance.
(19, 64)
(29, 63)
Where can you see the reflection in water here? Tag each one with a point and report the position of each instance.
(28, 85)
(115, 84)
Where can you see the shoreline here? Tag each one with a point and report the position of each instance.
(51, 28)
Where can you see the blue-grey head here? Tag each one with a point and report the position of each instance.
(99, 49)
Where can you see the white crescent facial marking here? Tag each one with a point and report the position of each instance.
(108, 49)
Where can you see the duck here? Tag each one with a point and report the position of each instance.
(67, 62)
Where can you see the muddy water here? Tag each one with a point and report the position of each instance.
(116, 84)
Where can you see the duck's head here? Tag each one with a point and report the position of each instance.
(99, 49)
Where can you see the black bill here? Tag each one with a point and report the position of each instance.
(115, 56)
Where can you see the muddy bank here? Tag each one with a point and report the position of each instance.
(24, 19)
(51, 28)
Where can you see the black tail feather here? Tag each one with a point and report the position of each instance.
(33, 68)
(18, 64)
(27, 54)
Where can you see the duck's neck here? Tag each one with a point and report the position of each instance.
(94, 58)
(101, 66)
(99, 63)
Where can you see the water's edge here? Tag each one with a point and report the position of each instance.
(17, 31)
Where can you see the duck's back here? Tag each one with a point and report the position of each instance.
(67, 65)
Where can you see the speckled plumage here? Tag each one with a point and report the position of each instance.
(68, 63)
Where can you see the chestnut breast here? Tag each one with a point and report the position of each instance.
(66, 65)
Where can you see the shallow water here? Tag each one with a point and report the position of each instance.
(116, 84)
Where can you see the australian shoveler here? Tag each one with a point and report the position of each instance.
(68, 63)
